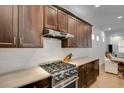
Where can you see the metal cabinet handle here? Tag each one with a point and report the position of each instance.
(14, 41)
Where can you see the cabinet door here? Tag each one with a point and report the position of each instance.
(8, 18)
(30, 25)
(96, 68)
(50, 16)
(71, 42)
(80, 34)
(85, 36)
(90, 38)
(89, 35)
(82, 76)
(62, 21)
(89, 74)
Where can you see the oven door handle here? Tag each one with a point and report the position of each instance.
(70, 82)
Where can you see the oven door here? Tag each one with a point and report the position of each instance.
(69, 83)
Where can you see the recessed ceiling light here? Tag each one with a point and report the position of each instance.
(97, 6)
(119, 17)
(109, 28)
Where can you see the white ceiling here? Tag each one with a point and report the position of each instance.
(102, 17)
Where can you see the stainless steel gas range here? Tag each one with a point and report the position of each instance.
(63, 75)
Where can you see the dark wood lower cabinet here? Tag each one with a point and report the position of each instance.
(82, 76)
(88, 74)
(96, 68)
(39, 84)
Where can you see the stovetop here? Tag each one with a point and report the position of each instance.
(57, 66)
(60, 72)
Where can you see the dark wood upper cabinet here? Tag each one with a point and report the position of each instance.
(71, 42)
(50, 16)
(80, 34)
(30, 26)
(8, 18)
(22, 26)
(89, 36)
(62, 21)
(85, 40)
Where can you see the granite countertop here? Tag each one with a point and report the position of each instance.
(22, 77)
(80, 61)
(26, 76)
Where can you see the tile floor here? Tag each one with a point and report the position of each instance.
(107, 80)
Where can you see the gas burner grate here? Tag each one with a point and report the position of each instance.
(56, 66)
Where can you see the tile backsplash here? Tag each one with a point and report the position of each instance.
(12, 59)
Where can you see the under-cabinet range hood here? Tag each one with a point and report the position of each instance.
(56, 34)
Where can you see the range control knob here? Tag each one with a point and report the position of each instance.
(75, 71)
(67, 74)
(61, 76)
(56, 78)
(72, 72)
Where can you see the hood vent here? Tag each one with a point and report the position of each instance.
(56, 34)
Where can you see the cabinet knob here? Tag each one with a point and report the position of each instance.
(34, 86)
(86, 72)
